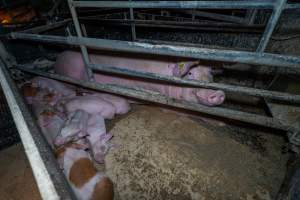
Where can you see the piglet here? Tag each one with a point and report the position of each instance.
(48, 118)
(51, 124)
(53, 85)
(92, 105)
(74, 128)
(86, 182)
(98, 138)
(121, 105)
(34, 94)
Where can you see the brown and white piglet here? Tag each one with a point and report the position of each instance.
(86, 182)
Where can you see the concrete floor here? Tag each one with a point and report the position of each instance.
(16, 178)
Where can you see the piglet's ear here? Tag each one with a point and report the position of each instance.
(181, 68)
(106, 137)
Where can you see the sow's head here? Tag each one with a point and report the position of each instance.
(192, 70)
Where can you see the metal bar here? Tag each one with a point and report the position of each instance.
(178, 23)
(83, 49)
(226, 18)
(84, 30)
(133, 32)
(186, 44)
(195, 83)
(159, 98)
(148, 23)
(50, 180)
(267, 59)
(46, 27)
(292, 6)
(271, 25)
(239, 4)
(250, 17)
(54, 8)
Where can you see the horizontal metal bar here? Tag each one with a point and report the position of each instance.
(159, 98)
(216, 16)
(46, 27)
(230, 88)
(292, 6)
(50, 179)
(238, 4)
(267, 59)
(186, 44)
(177, 25)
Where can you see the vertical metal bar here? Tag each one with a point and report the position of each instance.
(49, 178)
(79, 34)
(193, 15)
(278, 8)
(133, 32)
(83, 30)
(250, 16)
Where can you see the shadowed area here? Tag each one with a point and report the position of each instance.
(16, 178)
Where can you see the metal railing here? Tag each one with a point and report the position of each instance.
(254, 58)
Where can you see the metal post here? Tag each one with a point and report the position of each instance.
(193, 14)
(79, 34)
(83, 30)
(278, 8)
(133, 32)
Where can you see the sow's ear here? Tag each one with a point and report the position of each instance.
(181, 68)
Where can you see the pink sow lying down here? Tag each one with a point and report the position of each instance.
(70, 63)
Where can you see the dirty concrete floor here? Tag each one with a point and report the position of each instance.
(16, 178)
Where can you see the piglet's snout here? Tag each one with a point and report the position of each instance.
(210, 97)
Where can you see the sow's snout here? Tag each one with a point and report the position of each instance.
(210, 97)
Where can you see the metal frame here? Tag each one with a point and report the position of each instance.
(222, 27)
(192, 52)
(277, 5)
(156, 97)
(268, 59)
(239, 4)
(50, 180)
(255, 58)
